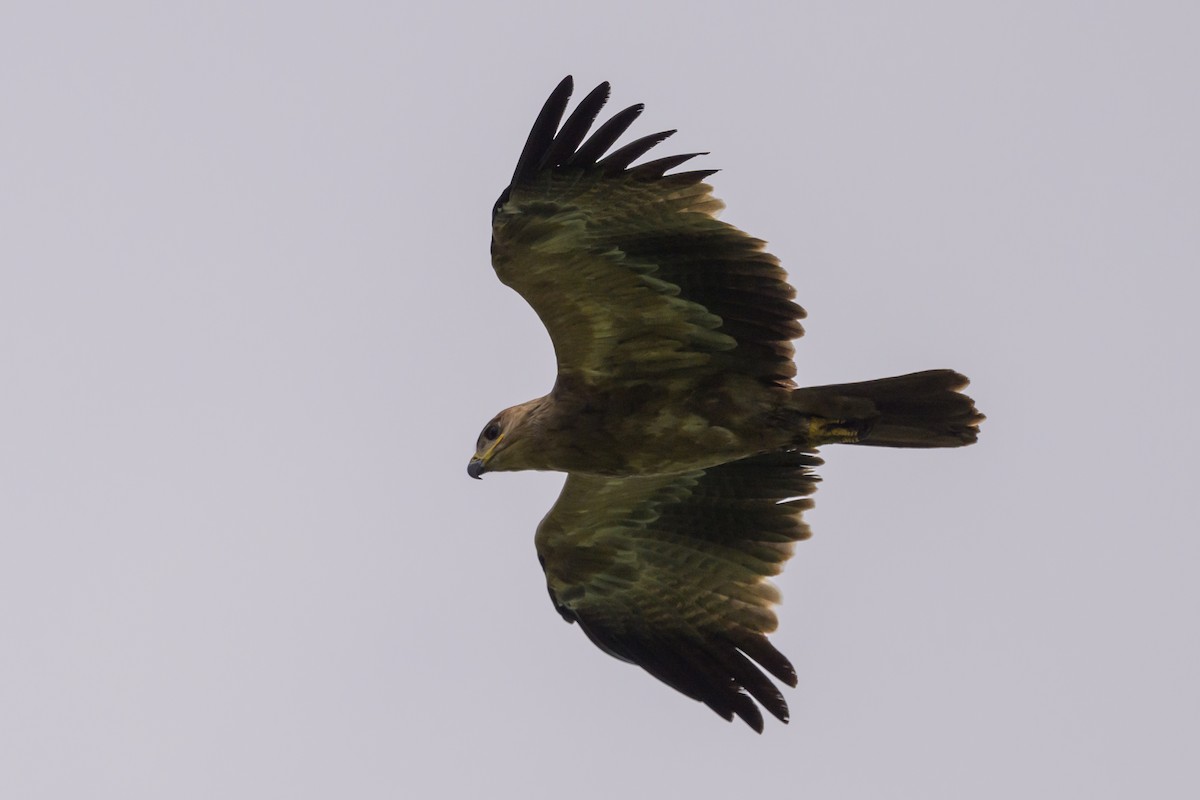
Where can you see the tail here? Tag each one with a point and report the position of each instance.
(924, 409)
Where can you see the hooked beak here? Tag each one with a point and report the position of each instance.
(478, 465)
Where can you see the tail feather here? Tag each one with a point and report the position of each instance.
(922, 409)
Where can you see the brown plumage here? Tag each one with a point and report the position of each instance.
(688, 447)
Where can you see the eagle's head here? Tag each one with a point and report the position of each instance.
(505, 442)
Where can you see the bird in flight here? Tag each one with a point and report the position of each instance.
(688, 447)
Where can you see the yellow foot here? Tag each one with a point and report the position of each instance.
(829, 431)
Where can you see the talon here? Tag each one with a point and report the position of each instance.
(829, 431)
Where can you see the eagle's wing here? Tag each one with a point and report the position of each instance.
(627, 266)
(670, 572)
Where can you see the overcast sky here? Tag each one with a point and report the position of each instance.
(249, 333)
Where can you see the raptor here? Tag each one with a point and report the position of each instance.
(688, 447)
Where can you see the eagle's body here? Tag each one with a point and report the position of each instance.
(650, 428)
(687, 444)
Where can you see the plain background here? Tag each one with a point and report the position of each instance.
(249, 333)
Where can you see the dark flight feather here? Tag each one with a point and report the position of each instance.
(621, 158)
(541, 135)
(573, 131)
(605, 136)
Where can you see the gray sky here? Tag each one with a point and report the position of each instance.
(249, 333)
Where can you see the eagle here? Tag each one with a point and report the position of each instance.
(689, 448)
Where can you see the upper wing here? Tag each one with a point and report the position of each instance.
(670, 572)
(627, 266)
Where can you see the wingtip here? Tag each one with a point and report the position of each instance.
(748, 711)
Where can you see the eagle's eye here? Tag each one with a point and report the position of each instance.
(491, 432)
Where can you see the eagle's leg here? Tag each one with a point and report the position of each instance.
(819, 431)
